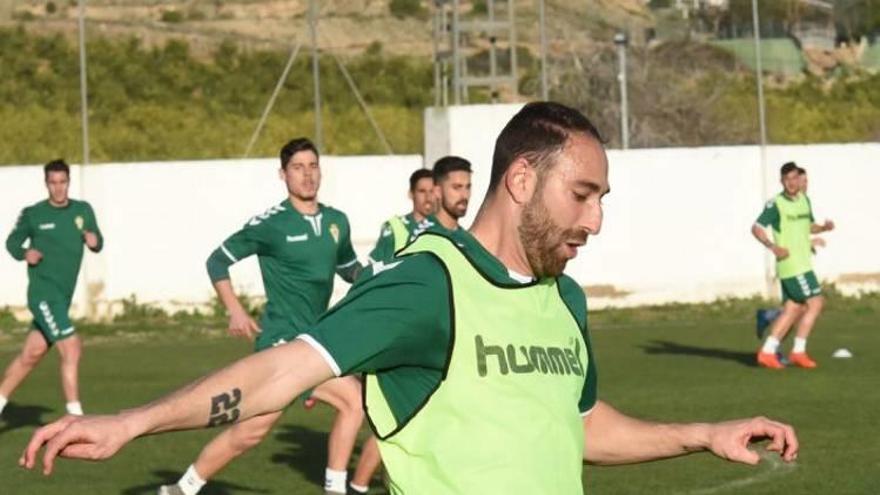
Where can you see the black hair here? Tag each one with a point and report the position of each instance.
(418, 175)
(58, 165)
(293, 147)
(448, 164)
(787, 168)
(802, 171)
(536, 132)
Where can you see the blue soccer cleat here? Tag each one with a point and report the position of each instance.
(763, 319)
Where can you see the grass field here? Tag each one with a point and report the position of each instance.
(683, 363)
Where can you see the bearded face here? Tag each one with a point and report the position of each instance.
(548, 246)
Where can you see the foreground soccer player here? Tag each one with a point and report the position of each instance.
(790, 215)
(492, 389)
(396, 232)
(300, 243)
(57, 228)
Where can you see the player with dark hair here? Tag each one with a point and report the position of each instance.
(56, 230)
(790, 216)
(490, 389)
(301, 244)
(396, 232)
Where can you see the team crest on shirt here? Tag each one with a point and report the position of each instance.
(334, 231)
(79, 221)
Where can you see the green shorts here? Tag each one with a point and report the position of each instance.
(52, 320)
(800, 287)
(268, 339)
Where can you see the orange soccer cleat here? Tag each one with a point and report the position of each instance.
(801, 360)
(769, 360)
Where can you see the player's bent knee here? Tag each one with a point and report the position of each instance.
(32, 357)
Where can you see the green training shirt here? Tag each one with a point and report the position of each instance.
(396, 320)
(298, 256)
(57, 232)
(790, 219)
(390, 239)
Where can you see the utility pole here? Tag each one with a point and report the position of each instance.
(769, 262)
(545, 90)
(316, 73)
(621, 40)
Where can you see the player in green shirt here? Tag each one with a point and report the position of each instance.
(300, 244)
(790, 216)
(451, 179)
(492, 389)
(396, 232)
(56, 229)
(452, 188)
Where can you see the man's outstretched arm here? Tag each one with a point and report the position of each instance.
(611, 437)
(258, 384)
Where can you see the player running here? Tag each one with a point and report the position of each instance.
(300, 244)
(790, 215)
(56, 228)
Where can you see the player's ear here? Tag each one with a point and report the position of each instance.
(281, 173)
(520, 180)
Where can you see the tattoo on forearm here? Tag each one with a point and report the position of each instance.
(224, 408)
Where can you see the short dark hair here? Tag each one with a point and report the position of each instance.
(418, 175)
(58, 165)
(536, 132)
(448, 164)
(788, 168)
(293, 147)
(802, 171)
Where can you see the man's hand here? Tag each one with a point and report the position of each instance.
(91, 239)
(242, 325)
(33, 257)
(730, 440)
(77, 437)
(827, 226)
(780, 252)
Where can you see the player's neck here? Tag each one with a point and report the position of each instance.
(418, 217)
(496, 227)
(62, 204)
(304, 206)
(447, 220)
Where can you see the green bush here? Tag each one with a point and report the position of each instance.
(171, 16)
(162, 103)
(406, 8)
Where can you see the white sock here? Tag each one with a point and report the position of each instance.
(359, 488)
(334, 481)
(800, 345)
(74, 408)
(3, 402)
(770, 345)
(190, 483)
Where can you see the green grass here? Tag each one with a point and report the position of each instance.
(683, 363)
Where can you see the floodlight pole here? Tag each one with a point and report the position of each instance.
(621, 40)
(316, 73)
(769, 261)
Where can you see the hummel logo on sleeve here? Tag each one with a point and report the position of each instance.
(380, 267)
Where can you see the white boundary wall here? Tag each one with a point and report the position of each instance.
(676, 223)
